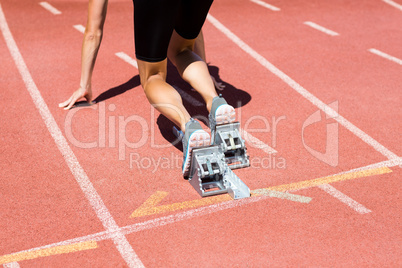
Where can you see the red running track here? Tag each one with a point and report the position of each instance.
(72, 206)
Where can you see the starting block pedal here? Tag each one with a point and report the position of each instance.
(232, 144)
(210, 174)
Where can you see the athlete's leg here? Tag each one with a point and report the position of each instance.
(191, 67)
(168, 102)
(199, 47)
(160, 94)
(154, 24)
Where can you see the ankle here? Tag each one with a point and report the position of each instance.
(209, 103)
(183, 128)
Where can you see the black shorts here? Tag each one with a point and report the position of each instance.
(155, 20)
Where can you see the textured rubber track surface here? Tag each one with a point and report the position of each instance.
(113, 195)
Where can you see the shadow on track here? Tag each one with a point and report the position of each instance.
(112, 92)
(234, 96)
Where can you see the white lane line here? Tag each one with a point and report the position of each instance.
(266, 5)
(344, 198)
(392, 3)
(190, 99)
(127, 59)
(385, 55)
(11, 265)
(320, 28)
(80, 28)
(347, 200)
(50, 8)
(81, 177)
(283, 195)
(302, 91)
(256, 143)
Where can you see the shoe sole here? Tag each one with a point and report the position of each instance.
(198, 138)
(225, 114)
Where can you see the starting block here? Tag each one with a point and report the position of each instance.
(232, 144)
(210, 174)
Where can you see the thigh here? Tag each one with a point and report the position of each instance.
(154, 22)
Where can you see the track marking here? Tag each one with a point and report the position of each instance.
(344, 198)
(347, 200)
(281, 195)
(78, 172)
(256, 143)
(266, 5)
(302, 91)
(392, 3)
(214, 208)
(385, 55)
(165, 220)
(48, 252)
(320, 28)
(149, 207)
(330, 179)
(11, 265)
(127, 59)
(389, 163)
(80, 28)
(50, 8)
(193, 101)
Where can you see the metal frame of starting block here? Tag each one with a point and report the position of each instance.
(210, 174)
(233, 146)
(211, 166)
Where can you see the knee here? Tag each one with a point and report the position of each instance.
(178, 54)
(151, 72)
(148, 80)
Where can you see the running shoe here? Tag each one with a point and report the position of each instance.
(194, 137)
(221, 113)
